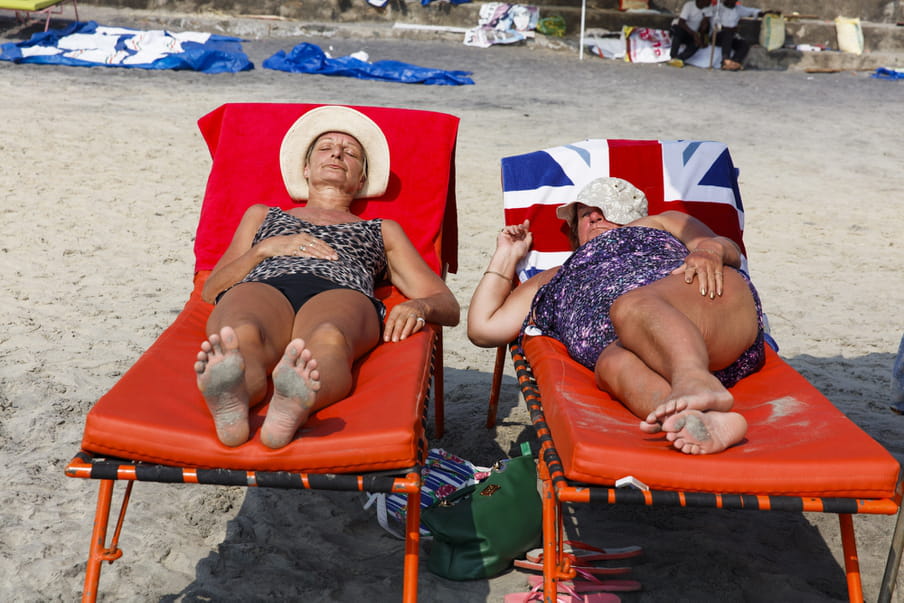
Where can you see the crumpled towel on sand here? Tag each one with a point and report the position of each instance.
(310, 58)
(89, 45)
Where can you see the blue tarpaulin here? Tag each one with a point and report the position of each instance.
(89, 44)
(888, 74)
(310, 58)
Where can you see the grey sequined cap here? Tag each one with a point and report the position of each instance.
(619, 200)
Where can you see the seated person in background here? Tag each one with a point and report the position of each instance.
(897, 381)
(295, 289)
(688, 30)
(725, 18)
(654, 305)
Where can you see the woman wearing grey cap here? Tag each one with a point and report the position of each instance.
(654, 304)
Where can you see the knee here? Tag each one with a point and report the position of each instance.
(327, 334)
(629, 307)
(249, 333)
(610, 363)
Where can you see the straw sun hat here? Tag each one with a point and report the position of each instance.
(333, 118)
(619, 200)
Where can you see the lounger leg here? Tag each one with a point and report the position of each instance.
(851, 561)
(439, 402)
(551, 523)
(894, 560)
(412, 546)
(98, 551)
(98, 540)
(555, 566)
(495, 387)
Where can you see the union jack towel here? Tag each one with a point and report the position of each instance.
(697, 177)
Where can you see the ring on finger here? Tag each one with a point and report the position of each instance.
(302, 247)
(419, 319)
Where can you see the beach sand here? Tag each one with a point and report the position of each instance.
(103, 171)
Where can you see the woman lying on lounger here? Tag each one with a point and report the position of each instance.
(294, 290)
(654, 305)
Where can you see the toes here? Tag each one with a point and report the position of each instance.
(650, 427)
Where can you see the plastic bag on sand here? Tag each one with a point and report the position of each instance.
(849, 34)
(772, 32)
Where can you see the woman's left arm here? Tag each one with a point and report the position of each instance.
(429, 298)
(708, 252)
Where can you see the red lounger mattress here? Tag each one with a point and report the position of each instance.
(798, 443)
(155, 412)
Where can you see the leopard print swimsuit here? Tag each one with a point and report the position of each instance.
(362, 254)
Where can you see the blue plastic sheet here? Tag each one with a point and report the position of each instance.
(888, 74)
(310, 58)
(89, 45)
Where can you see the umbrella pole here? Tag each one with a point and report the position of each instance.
(583, 14)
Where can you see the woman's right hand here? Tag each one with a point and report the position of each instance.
(299, 245)
(515, 240)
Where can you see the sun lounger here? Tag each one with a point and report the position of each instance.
(153, 424)
(46, 7)
(801, 454)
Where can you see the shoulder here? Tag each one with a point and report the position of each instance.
(255, 215)
(391, 229)
(257, 211)
(393, 233)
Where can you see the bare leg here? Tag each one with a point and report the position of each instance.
(247, 331)
(221, 379)
(331, 331)
(621, 373)
(296, 382)
(682, 336)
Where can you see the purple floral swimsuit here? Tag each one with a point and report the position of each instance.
(573, 306)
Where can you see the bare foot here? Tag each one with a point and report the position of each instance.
(696, 432)
(296, 382)
(221, 379)
(702, 392)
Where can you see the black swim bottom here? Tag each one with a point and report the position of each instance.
(299, 288)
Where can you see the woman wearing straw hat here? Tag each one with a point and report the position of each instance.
(294, 289)
(654, 305)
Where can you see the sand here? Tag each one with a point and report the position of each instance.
(102, 176)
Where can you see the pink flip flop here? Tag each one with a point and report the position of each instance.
(587, 583)
(590, 569)
(581, 552)
(565, 595)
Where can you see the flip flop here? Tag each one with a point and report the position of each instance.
(566, 595)
(581, 552)
(587, 583)
(590, 569)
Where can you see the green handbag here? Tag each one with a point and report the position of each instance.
(479, 530)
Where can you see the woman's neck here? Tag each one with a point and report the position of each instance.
(318, 211)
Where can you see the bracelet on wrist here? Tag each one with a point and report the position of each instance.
(499, 274)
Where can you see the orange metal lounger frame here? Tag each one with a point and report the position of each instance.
(46, 7)
(153, 424)
(588, 441)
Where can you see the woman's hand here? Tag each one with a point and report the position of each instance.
(406, 318)
(299, 245)
(706, 264)
(515, 240)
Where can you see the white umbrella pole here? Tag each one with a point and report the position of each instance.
(583, 13)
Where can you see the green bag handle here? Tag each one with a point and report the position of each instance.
(468, 490)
